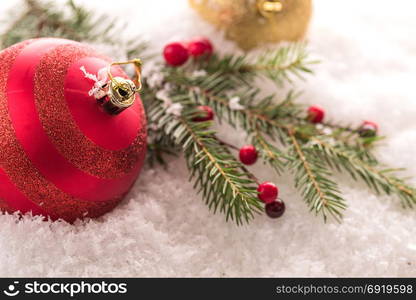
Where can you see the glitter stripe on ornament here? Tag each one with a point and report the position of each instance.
(91, 130)
(20, 170)
(30, 133)
(15, 199)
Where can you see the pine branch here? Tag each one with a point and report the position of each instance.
(265, 122)
(379, 180)
(322, 195)
(267, 118)
(242, 167)
(312, 178)
(283, 64)
(269, 153)
(215, 171)
(262, 119)
(263, 115)
(219, 80)
(47, 19)
(158, 147)
(232, 66)
(223, 186)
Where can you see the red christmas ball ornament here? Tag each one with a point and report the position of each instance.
(175, 54)
(268, 192)
(200, 47)
(275, 209)
(205, 113)
(368, 129)
(315, 114)
(248, 154)
(62, 156)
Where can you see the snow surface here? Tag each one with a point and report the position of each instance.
(368, 71)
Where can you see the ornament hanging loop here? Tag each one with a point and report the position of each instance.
(122, 91)
(138, 67)
(269, 8)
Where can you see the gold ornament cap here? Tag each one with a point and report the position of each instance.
(269, 8)
(122, 91)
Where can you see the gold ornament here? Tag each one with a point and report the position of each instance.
(252, 23)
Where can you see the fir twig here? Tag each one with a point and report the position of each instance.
(215, 172)
(47, 19)
(268, 152)
(158, 147)
(283, 64)
(223, 187)
(379, 180)
(312, 177)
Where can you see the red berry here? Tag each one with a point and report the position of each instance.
(248, 154)
(267, 192)
(370, 125)
(175, 54)
(368, 129)
(205, 114)
(315, 114)
(275, 209)
(200, 47)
